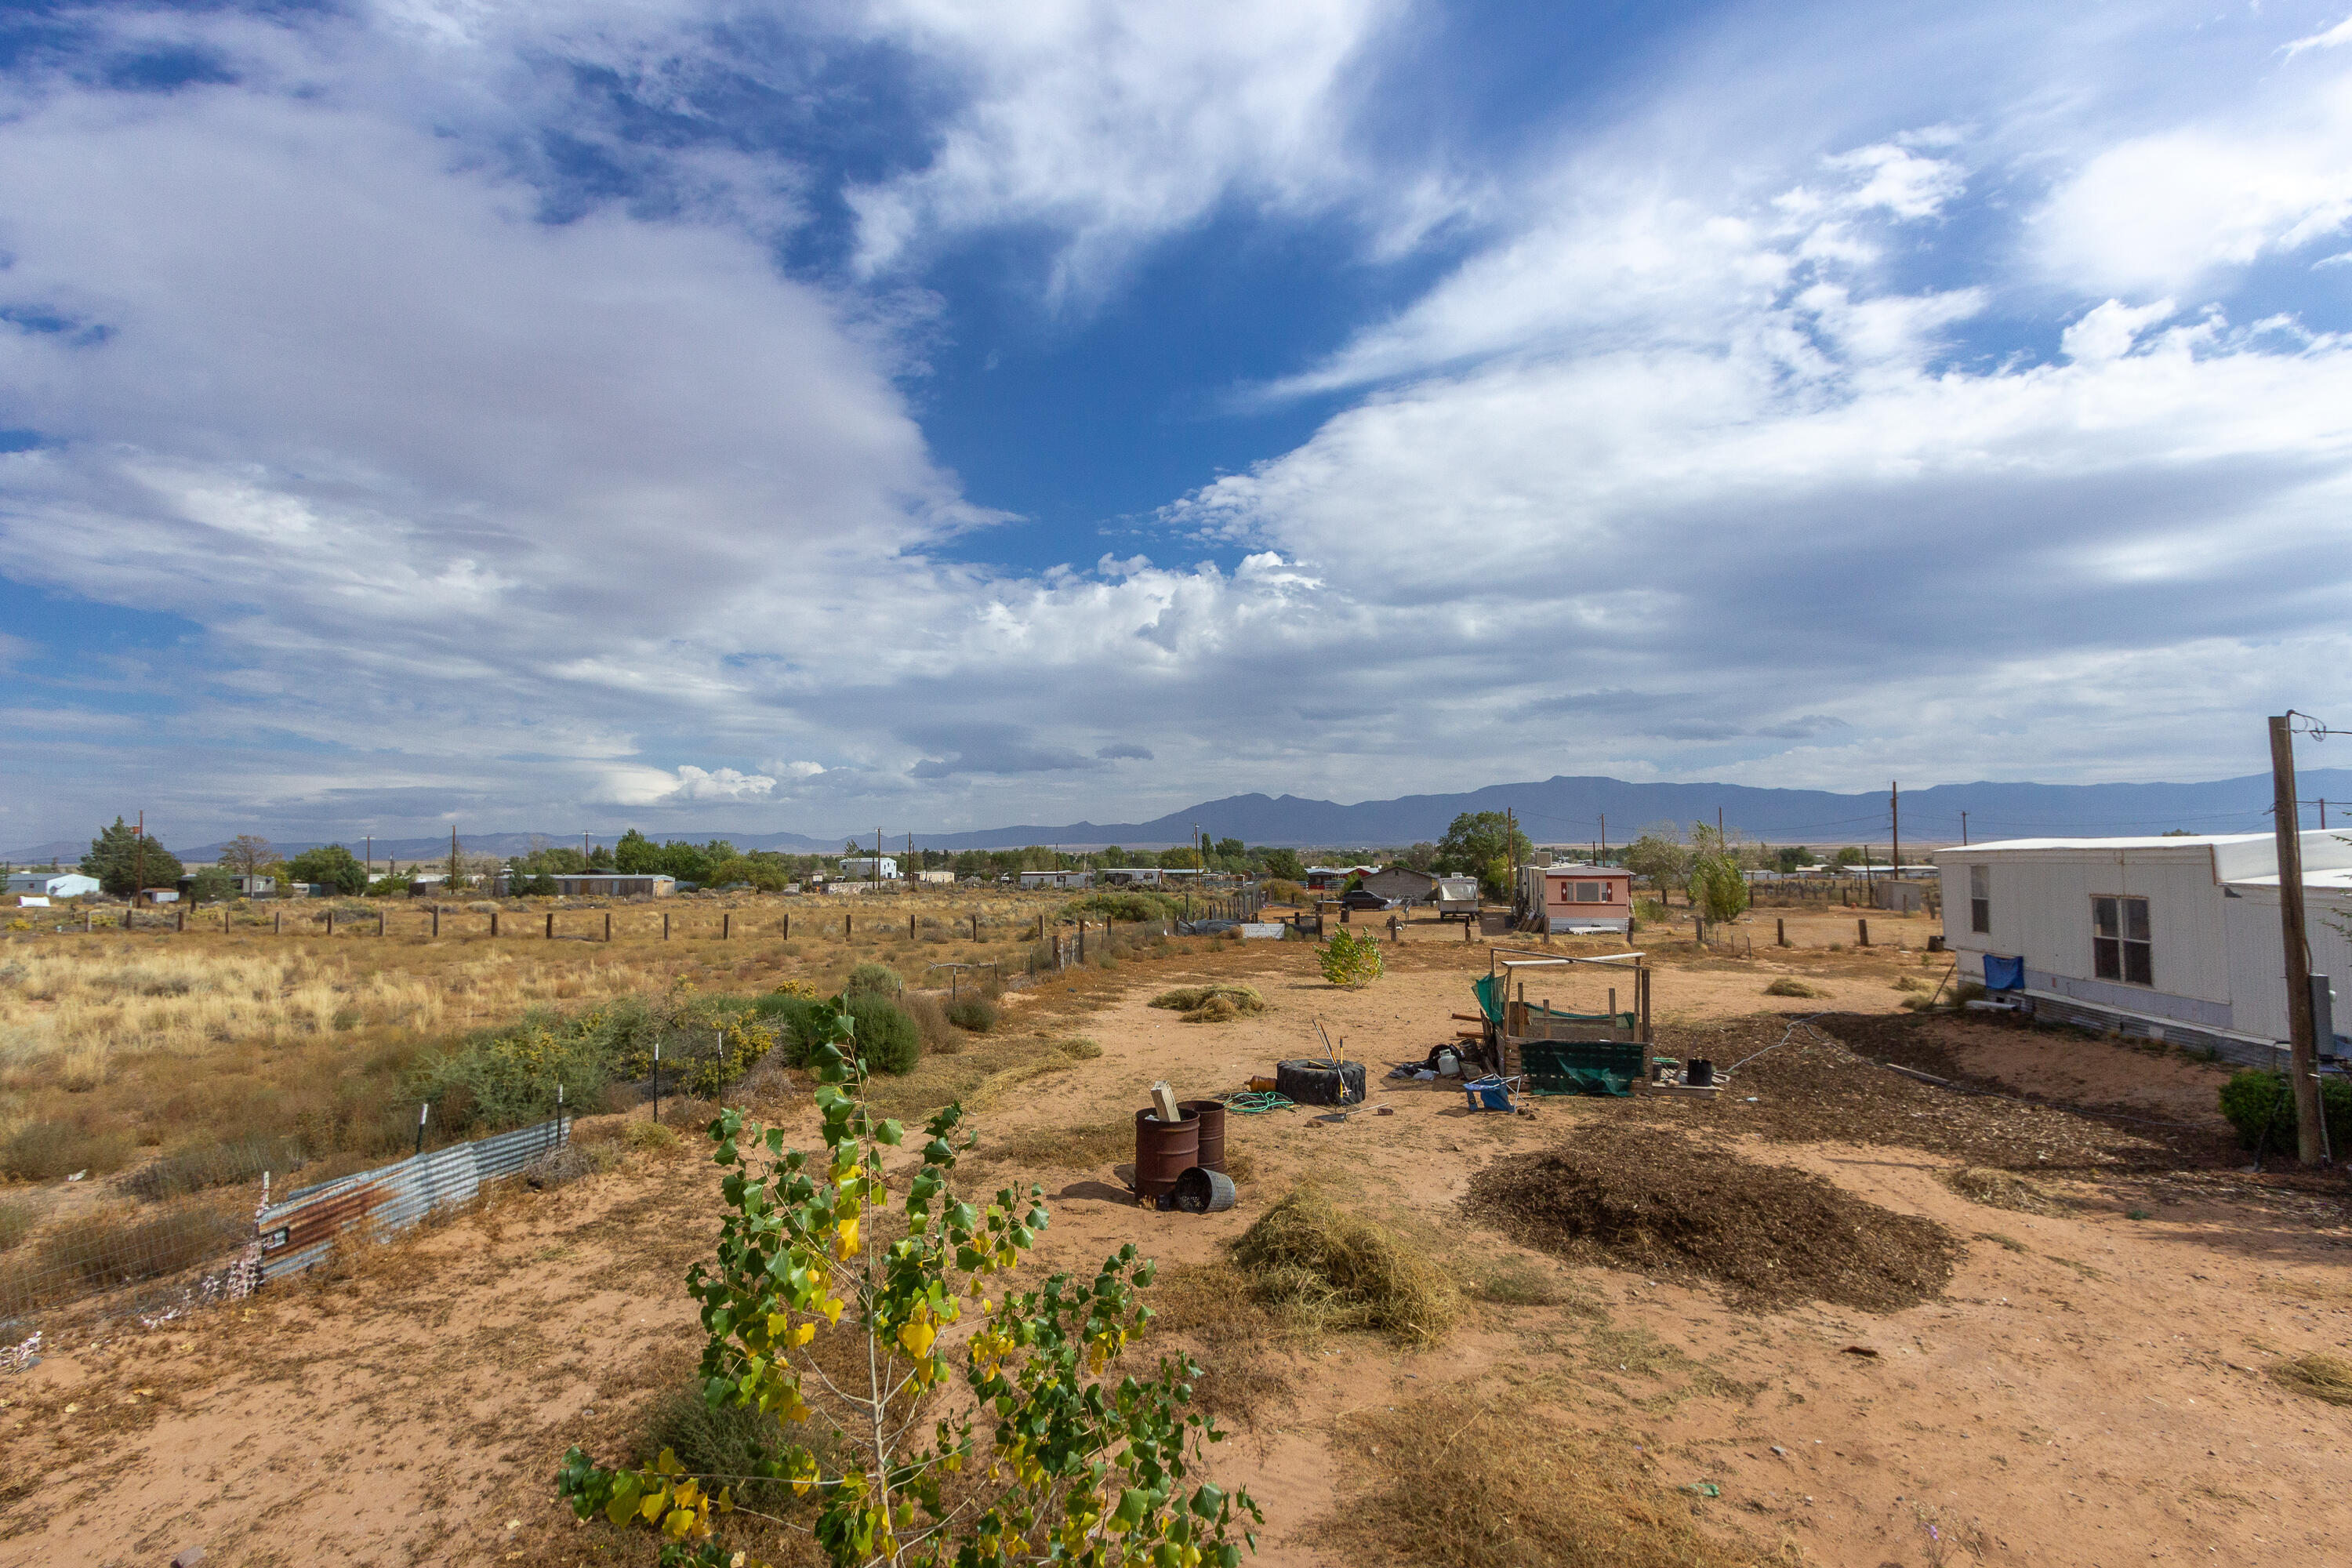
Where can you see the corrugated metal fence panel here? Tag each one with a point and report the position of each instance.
(297, 1232)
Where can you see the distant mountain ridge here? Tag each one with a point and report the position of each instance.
(1561, 810)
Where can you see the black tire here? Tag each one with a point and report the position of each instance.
(1320, 1083)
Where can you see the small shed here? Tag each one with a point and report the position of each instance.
(52, 884)
(1401, 886)
(1057, 878)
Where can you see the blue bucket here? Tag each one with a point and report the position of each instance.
(1488, 1093)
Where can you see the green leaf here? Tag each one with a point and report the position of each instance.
(626, 1490)
(1208, 1501)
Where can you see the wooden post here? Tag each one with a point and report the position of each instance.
(1782, 926)
(331, 922)
(2301, 1022)
(181, 922)
(379, 923)
(727, 925)
(224, 917)
(848, 926)
(910, 925)
(788, 925)
(551, 925)
(1862, 932)
(975, 927)
(608, 925)
(276, 923)
(666, 925)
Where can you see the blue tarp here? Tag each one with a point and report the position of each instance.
(2004, 973)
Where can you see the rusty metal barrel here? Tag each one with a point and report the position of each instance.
(1163, 1151)
(1211, 1114)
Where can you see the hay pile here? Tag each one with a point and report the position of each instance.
(1326, 1269)
(2319, 1376)
(1218, 1003)
(1649, 1201)
(1789, 985)
(1999, 1190)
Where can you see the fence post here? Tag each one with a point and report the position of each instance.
(665, 924)
(379, 923)
(608, 925)
(423, 1109)
(910, 925)
(788, 925)
(657, 1079)
(276, 923)
(551, 925)
(975, 927)
(331, 922)
(848, 925)
(1082, 942)
(727, 925)
(1863, 929)
(181, 923)
(1781, 927)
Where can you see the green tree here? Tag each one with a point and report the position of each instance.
(1351, 960)
(1849, 856)
(1181, 859)
(331, 864)
(213, 885)
(1660, 855)
(1232, 850)
(1422, 857)
(1078, 1469)
(1485, 845)
(1719, 890)
(118, 861)
(639, 856)
(1790, 856)
(1284, 863)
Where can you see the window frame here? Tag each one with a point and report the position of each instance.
(2118, 957)
(1980, 899)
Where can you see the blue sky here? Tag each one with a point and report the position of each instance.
(942, 414)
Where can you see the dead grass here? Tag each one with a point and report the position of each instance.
(1789, 985)
(1325, 1269)
(1999, 1190)
(1466, 1479)
(1513, 1282)
(2322, 1377)
(1211, 1307)
(1214, 1004)
(1083, 1147)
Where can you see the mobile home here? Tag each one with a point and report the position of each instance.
(2172, 938)
(1568, 899)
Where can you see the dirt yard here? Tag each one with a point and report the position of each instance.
(2095, 1383)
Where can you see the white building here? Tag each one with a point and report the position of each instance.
(1057, 878)
(940, 877)
(2172, 939)
(51, 884)
(861, 867)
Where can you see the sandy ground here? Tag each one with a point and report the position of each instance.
(2090, 1390)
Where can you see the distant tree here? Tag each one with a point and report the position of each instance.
(1789, 857)
(2178, 833)
(1485, 845)
(1283, 864)
(332, 865)
(1850, 856)
(1232, 850)
(551, 860)
(213, 885)
(1422, 857)
(1181, 859)
(247, 854)
(637, 855)
(119, 863)
(599, 859)
(1660, 855)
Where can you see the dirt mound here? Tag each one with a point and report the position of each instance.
(1999, 1190)
(1649, 1201)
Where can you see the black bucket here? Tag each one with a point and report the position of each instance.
(1699, 1073)
(1202, 1191)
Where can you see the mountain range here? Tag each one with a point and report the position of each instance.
(1561, 810)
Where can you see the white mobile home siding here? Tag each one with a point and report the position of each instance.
(2258, 965)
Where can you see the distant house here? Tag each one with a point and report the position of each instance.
(52, 884)
(1335, 878)
(1400, 886)
(1572, 899)
(863, 867)
(2166, 939)
(937, 878)
(1057, 878)
(613, 885)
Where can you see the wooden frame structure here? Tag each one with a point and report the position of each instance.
(1522, 1023)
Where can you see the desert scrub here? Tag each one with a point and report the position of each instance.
(1789, 985)
(2258, 1100)
(977, 1013)
(872, 979)
(886, 1036)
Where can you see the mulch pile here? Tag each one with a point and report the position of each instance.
(1653, 1201)
(1818, 1088)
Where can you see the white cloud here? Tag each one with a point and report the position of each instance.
(2326, 38)
(2109, 332)
(723, 784)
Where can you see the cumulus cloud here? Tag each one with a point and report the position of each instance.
(723, 784)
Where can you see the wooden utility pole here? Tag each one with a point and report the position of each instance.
(1604, 838)
(2303, 1054)
(1895, 805)
(1964, 830)
(138, 859)
(876, 878)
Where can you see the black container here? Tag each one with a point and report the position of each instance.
(1699, 1073)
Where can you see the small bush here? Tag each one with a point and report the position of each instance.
(886, 1036)
(15, 1222)
(2257, 1097)
(1650, 909)
(43, 1150)
(976, 1014)
(727, 1441)
(940, 1035)
(1789, 985)
(1128, 905)
(1078, 1048)
(1211, 1004)
(872, 979)
(1350, 960)
(1281, 890)
(651, 1136)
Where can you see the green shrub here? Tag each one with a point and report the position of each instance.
(728, 1441)
(977, 1013)
(15, 1222)
(1130, 905)
(43, 1150)
(1351, 960)
(2257, 1097)
(886, 1036)
(795, 1019)
(871, 979)
(506, 1077)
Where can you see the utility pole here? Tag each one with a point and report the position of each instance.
(876, 878)
(2303, 1054)
(371, 854)
(1964, 830)
(1895, 805)
(138, 859)
(1604, 838)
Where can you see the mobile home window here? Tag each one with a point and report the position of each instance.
(2120, 942)
(1588, 893)
(1980, 899)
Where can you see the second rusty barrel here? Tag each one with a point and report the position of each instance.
(1212, 1115)
(1163, 1151)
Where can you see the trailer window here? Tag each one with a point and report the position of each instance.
(1980, 899)
(2121, 944)
(1588, 893)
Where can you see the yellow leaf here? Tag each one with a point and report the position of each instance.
(917, 1338)
(803, 1333)
(832, 1311)
(845, 1240)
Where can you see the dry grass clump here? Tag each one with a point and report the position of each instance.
(1324, 1268)
(1999, 1190)
(1460, 1480)
(1789, 985)
(1083, 1147)
(1210, 1304)
(2320, 1376)
(109, 1249)
(1216, 1004)
(1515, 1283)
(1644, 1199)
(650, 1137)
